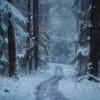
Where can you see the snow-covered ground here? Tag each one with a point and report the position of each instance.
(83, 90)
(59, 80)
(25, 87)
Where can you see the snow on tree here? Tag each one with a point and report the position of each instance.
(82, 11)
(5, 8)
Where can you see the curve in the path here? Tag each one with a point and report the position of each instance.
(48, 90)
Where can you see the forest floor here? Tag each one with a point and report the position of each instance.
(26, 87)
(55, 83)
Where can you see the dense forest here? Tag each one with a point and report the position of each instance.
(48, 47)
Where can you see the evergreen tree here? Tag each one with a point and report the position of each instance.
(44, 35)
(9, 23)
(82, 11)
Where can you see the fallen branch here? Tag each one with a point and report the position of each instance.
(87, 76)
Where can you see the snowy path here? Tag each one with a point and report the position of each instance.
(55, 83)
(42, 85)
(48, 90)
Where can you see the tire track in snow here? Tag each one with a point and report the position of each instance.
(48, 90)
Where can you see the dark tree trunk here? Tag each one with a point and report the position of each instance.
(29, 16)
(11, 47)
(30, 56)
(94, 38)
(36, 31)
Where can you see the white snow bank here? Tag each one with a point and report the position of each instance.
(85, 90)
(25, 87)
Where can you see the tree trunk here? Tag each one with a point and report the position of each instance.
(11, 47)
(94, 38)
(28, 38)
(36, 31)
(29, 16)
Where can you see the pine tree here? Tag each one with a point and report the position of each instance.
(82, 11)
(44, 35)
(16, 21)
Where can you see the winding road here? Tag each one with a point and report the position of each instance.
(48, 90)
